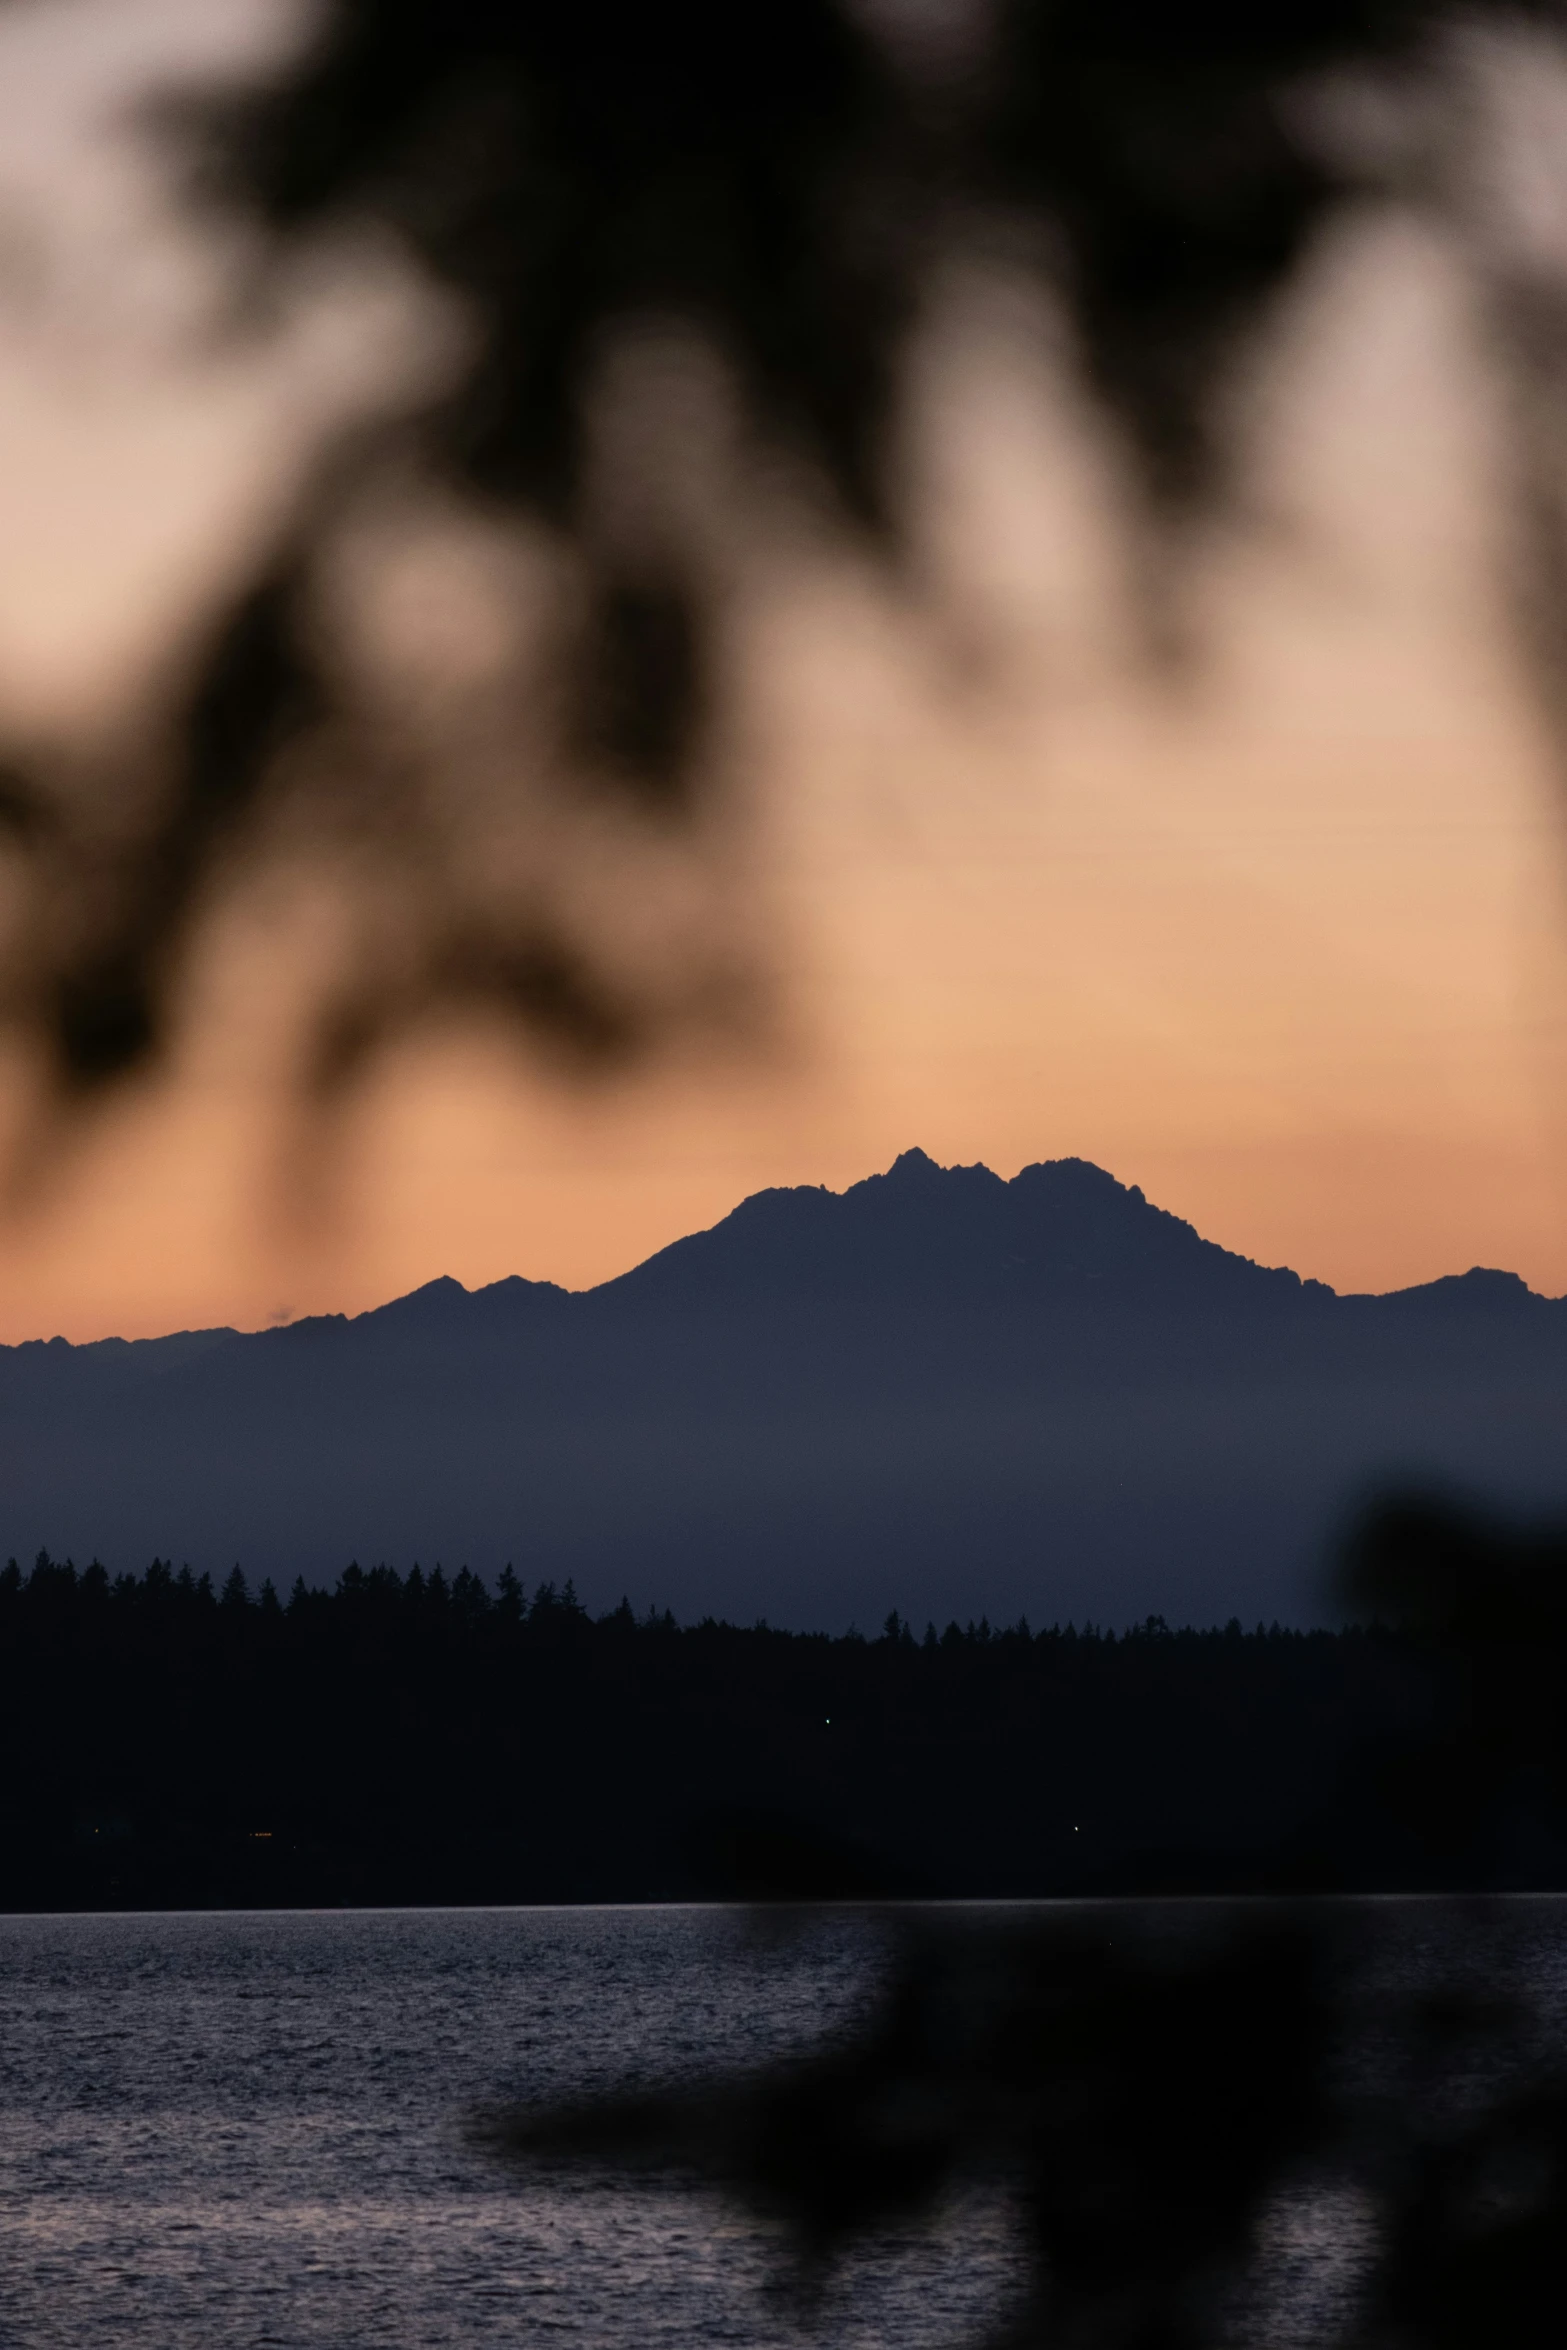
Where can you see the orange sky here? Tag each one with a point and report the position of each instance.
(1282, 943)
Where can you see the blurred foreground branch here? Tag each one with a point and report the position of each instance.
(690, 253)
(1148, 2085)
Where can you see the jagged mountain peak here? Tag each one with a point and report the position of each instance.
(1060, 1228)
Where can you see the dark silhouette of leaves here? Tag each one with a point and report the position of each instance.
(781, 187)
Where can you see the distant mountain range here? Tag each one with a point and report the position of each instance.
(937, 1391)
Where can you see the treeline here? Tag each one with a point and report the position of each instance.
(53, 1586)
(421, 1737)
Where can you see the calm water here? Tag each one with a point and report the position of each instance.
(247, 2130)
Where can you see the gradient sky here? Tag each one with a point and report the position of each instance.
(1281, 939)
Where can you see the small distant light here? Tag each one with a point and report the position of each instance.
(261, 1835)
(829, 1721)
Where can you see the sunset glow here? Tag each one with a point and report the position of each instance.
(1278, 938)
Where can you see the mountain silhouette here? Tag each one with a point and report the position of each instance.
(936, 1390)
(1064, 1229)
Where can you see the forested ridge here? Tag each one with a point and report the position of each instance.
(420, 1738)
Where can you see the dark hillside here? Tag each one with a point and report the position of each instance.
(412, 1739)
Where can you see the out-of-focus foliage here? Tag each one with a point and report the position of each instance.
(690, 249)
(1487, 1610)
(1137, 2096)
(1146, 2088)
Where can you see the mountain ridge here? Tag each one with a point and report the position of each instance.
(1050, 1233)
(935, 1391)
